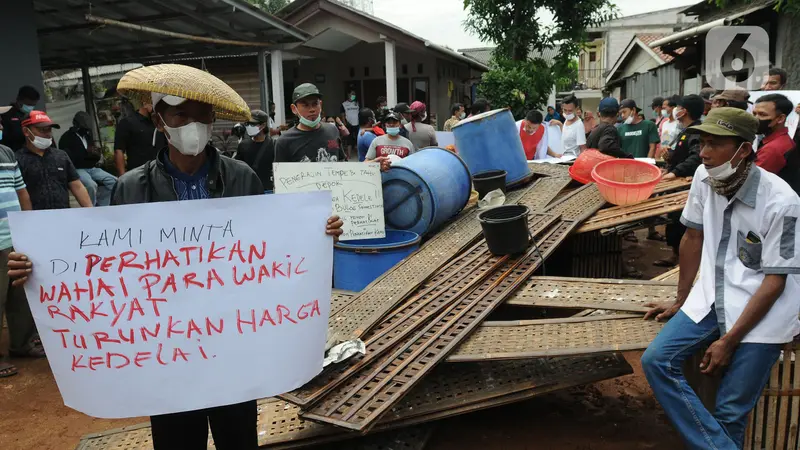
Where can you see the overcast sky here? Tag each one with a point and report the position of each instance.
(440, 21)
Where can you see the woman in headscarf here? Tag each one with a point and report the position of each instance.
(589, 122)
(420, 134)
(552, 114)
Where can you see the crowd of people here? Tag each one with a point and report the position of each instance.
(741, 155)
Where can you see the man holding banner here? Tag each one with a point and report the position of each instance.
(186, 102)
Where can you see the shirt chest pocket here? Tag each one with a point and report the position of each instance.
(57, 173)
(748, 251)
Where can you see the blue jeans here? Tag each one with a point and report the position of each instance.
(99, 183)
(740, 387)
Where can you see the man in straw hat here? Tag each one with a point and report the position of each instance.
(186, 101)
(742, 237)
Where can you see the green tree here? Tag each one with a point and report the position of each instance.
(519, 27)
(270, 6)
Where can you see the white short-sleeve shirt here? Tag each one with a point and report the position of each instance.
(744, 239)
(572, 137)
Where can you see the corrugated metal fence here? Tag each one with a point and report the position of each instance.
(661, 82)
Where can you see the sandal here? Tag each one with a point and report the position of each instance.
(656, 236)
(37, 351)
(7, 370)
(630, 237)
(665, 263)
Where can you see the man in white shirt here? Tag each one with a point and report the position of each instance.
(742, 237)
(573, 134)
(349, 115)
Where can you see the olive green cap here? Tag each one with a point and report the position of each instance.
(728, 122)
(305, 90)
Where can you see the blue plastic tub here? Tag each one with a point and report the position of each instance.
(490, 141)
(357, 263)
(424, 190)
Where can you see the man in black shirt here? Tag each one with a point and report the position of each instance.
(137, 139)
(27, 97)
(311, 140)
(80, 147)
(48, 171)
(605, 137)
(682, 162)
(259, 152)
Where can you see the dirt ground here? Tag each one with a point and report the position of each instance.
(612, 414)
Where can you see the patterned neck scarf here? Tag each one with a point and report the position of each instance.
(729, 187)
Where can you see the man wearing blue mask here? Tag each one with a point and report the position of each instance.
(27, 98)
(311, 140)
(390, 144)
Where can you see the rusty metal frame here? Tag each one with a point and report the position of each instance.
(592, 293)
(620, 215)
(459, 277)
(448, 391)
(557, 337)
(366, 395)
(371, 305)
(358, 403)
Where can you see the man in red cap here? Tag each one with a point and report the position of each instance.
(48, 172)
(419, 133)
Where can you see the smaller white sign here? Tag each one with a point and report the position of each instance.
(356, 188)
(445, 138)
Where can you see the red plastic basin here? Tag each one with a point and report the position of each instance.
(626, 181)
(581, 169)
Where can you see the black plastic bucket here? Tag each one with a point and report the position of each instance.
(505, 229)
(488, 181)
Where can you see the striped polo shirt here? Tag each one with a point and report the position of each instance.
(10, 182)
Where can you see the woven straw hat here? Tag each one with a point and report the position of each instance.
(187, 82)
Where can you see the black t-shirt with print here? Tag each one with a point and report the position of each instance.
(319, 145)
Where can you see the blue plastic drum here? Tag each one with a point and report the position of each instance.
(424, 190)
(490, 141)
(358, 263)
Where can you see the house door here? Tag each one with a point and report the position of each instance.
(372, 90)
(351, 85)
(288, 88)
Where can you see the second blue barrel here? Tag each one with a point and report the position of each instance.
(358, 263)
(490, 141)
(424, 190)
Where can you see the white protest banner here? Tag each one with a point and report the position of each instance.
(167, 307)
(356, 187)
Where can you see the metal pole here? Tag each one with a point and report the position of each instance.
(391, 73)
(88, 99)
(263, 79)
(277, 86)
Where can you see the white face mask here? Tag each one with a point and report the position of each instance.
(462, 115)
(252, 130)
(190, 139)
(629, 120)
(569, 116)
(42, 143)
(725, 170)
(675, 113)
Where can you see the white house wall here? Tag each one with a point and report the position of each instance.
(641, 62)
(320, 22)
(619, 32)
